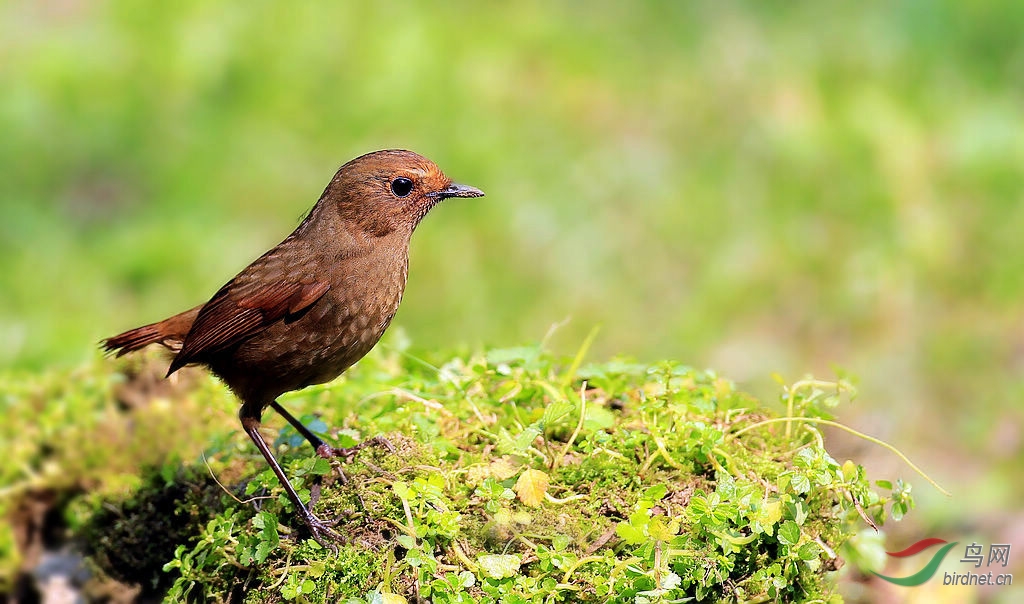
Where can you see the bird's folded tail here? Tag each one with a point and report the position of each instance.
(133, 339)
(170, 333)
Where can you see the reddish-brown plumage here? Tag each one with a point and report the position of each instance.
(317, 302)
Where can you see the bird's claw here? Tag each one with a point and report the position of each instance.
(323, 531)
(327, 452)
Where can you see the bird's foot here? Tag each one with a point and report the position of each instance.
(322, 531)
(327, 452)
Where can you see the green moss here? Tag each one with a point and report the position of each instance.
(133, 539)
(514, 478)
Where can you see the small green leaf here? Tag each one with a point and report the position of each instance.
(557, 410)
(772, 512)
(630, 534)
(898, 511)
(406, 541)
(525, 438)
(317, 568)
(321, 467)
(809, 551)
(402, 490)
(661, 531)
(789, 533)
(655, 493)
(726, 487)
(800, 483)
(798, 512)
(499, 566)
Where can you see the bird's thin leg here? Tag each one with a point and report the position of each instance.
(325, 450)
(313, 439)
(321, 530)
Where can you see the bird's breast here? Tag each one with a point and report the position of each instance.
(343, 326)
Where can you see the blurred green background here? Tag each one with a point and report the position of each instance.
(756, 188)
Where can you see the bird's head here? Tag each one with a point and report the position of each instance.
(391, 190)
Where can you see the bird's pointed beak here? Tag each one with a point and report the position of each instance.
(457, 190)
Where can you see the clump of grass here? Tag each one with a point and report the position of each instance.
(520, 479)
(516, 477)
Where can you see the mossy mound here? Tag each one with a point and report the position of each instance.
(511, 477)
(514, 478)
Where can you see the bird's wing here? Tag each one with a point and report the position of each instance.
(263, 293)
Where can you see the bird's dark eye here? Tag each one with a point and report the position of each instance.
(401, 186)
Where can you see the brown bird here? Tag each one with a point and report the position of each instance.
(305, 311)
